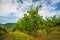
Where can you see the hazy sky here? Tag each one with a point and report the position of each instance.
(12, 10)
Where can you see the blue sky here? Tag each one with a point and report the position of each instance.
(12, 10)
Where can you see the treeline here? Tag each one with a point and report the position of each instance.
(32, 21)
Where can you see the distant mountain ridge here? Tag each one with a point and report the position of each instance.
(9, 24)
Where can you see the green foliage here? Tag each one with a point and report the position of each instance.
(2, 29)
(30, 23)
(56, 20)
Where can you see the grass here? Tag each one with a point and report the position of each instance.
(18, 35)
(55, 34)
(22, 36)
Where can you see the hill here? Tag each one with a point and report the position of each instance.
(9, 24)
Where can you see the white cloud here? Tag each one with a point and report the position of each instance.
(8, 6)
(55, 1)
(12, 6)
(45, 13)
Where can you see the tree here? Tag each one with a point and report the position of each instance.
(2, 30)
(30, 23)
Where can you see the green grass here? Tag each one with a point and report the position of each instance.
(55, 34)
(22, 37)
(9, 29)
(17, 36)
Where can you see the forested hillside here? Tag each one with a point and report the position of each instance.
(8, 24)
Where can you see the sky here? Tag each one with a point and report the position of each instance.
(12, 10)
